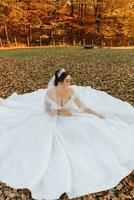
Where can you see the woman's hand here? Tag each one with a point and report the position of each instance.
(90, 111)
(101, 116)
(64, 112)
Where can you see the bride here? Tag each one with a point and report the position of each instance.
(62, 94)
(65, 139)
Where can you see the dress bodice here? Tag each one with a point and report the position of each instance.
(69, 104)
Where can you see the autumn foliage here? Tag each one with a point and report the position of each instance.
(66, 22)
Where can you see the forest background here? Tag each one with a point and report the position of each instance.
(66, 22)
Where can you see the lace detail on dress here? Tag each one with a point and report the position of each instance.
(48, 105)
(77, 100)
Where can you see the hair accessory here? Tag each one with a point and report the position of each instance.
(60, 72)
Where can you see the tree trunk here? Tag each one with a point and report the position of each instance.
(63, 41)
(97, 13)
(15, 41)
(72, 9)
(6, 34)
(1, 42)
(81, 21)
(74, 42)
(83, 41)
(28, 43)
(29, 33)
(102, 42)
(53, 39)
(40, 41)
(92, 41)
(111, 42)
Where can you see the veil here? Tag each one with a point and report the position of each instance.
(48, 102)
(51, 82)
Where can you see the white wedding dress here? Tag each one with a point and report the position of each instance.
(77, 155)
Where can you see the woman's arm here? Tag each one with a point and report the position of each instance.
(49, 110)
(90, 111)
(86, 109)
(64, 112)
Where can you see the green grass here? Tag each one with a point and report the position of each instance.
(80, 53)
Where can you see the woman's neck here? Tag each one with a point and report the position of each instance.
(61, 89)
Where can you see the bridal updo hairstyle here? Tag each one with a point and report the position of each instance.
(61, 77)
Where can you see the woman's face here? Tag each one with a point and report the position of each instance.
(66, 81)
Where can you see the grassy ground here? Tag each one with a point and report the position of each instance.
(110, 70)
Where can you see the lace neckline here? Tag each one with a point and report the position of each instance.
(59, 104)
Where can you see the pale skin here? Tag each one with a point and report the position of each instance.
(63, 90)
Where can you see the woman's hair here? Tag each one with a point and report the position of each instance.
(60, 75)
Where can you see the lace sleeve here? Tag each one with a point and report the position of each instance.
(77, 100)
(48, 106)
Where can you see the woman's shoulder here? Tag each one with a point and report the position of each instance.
(72, 91)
